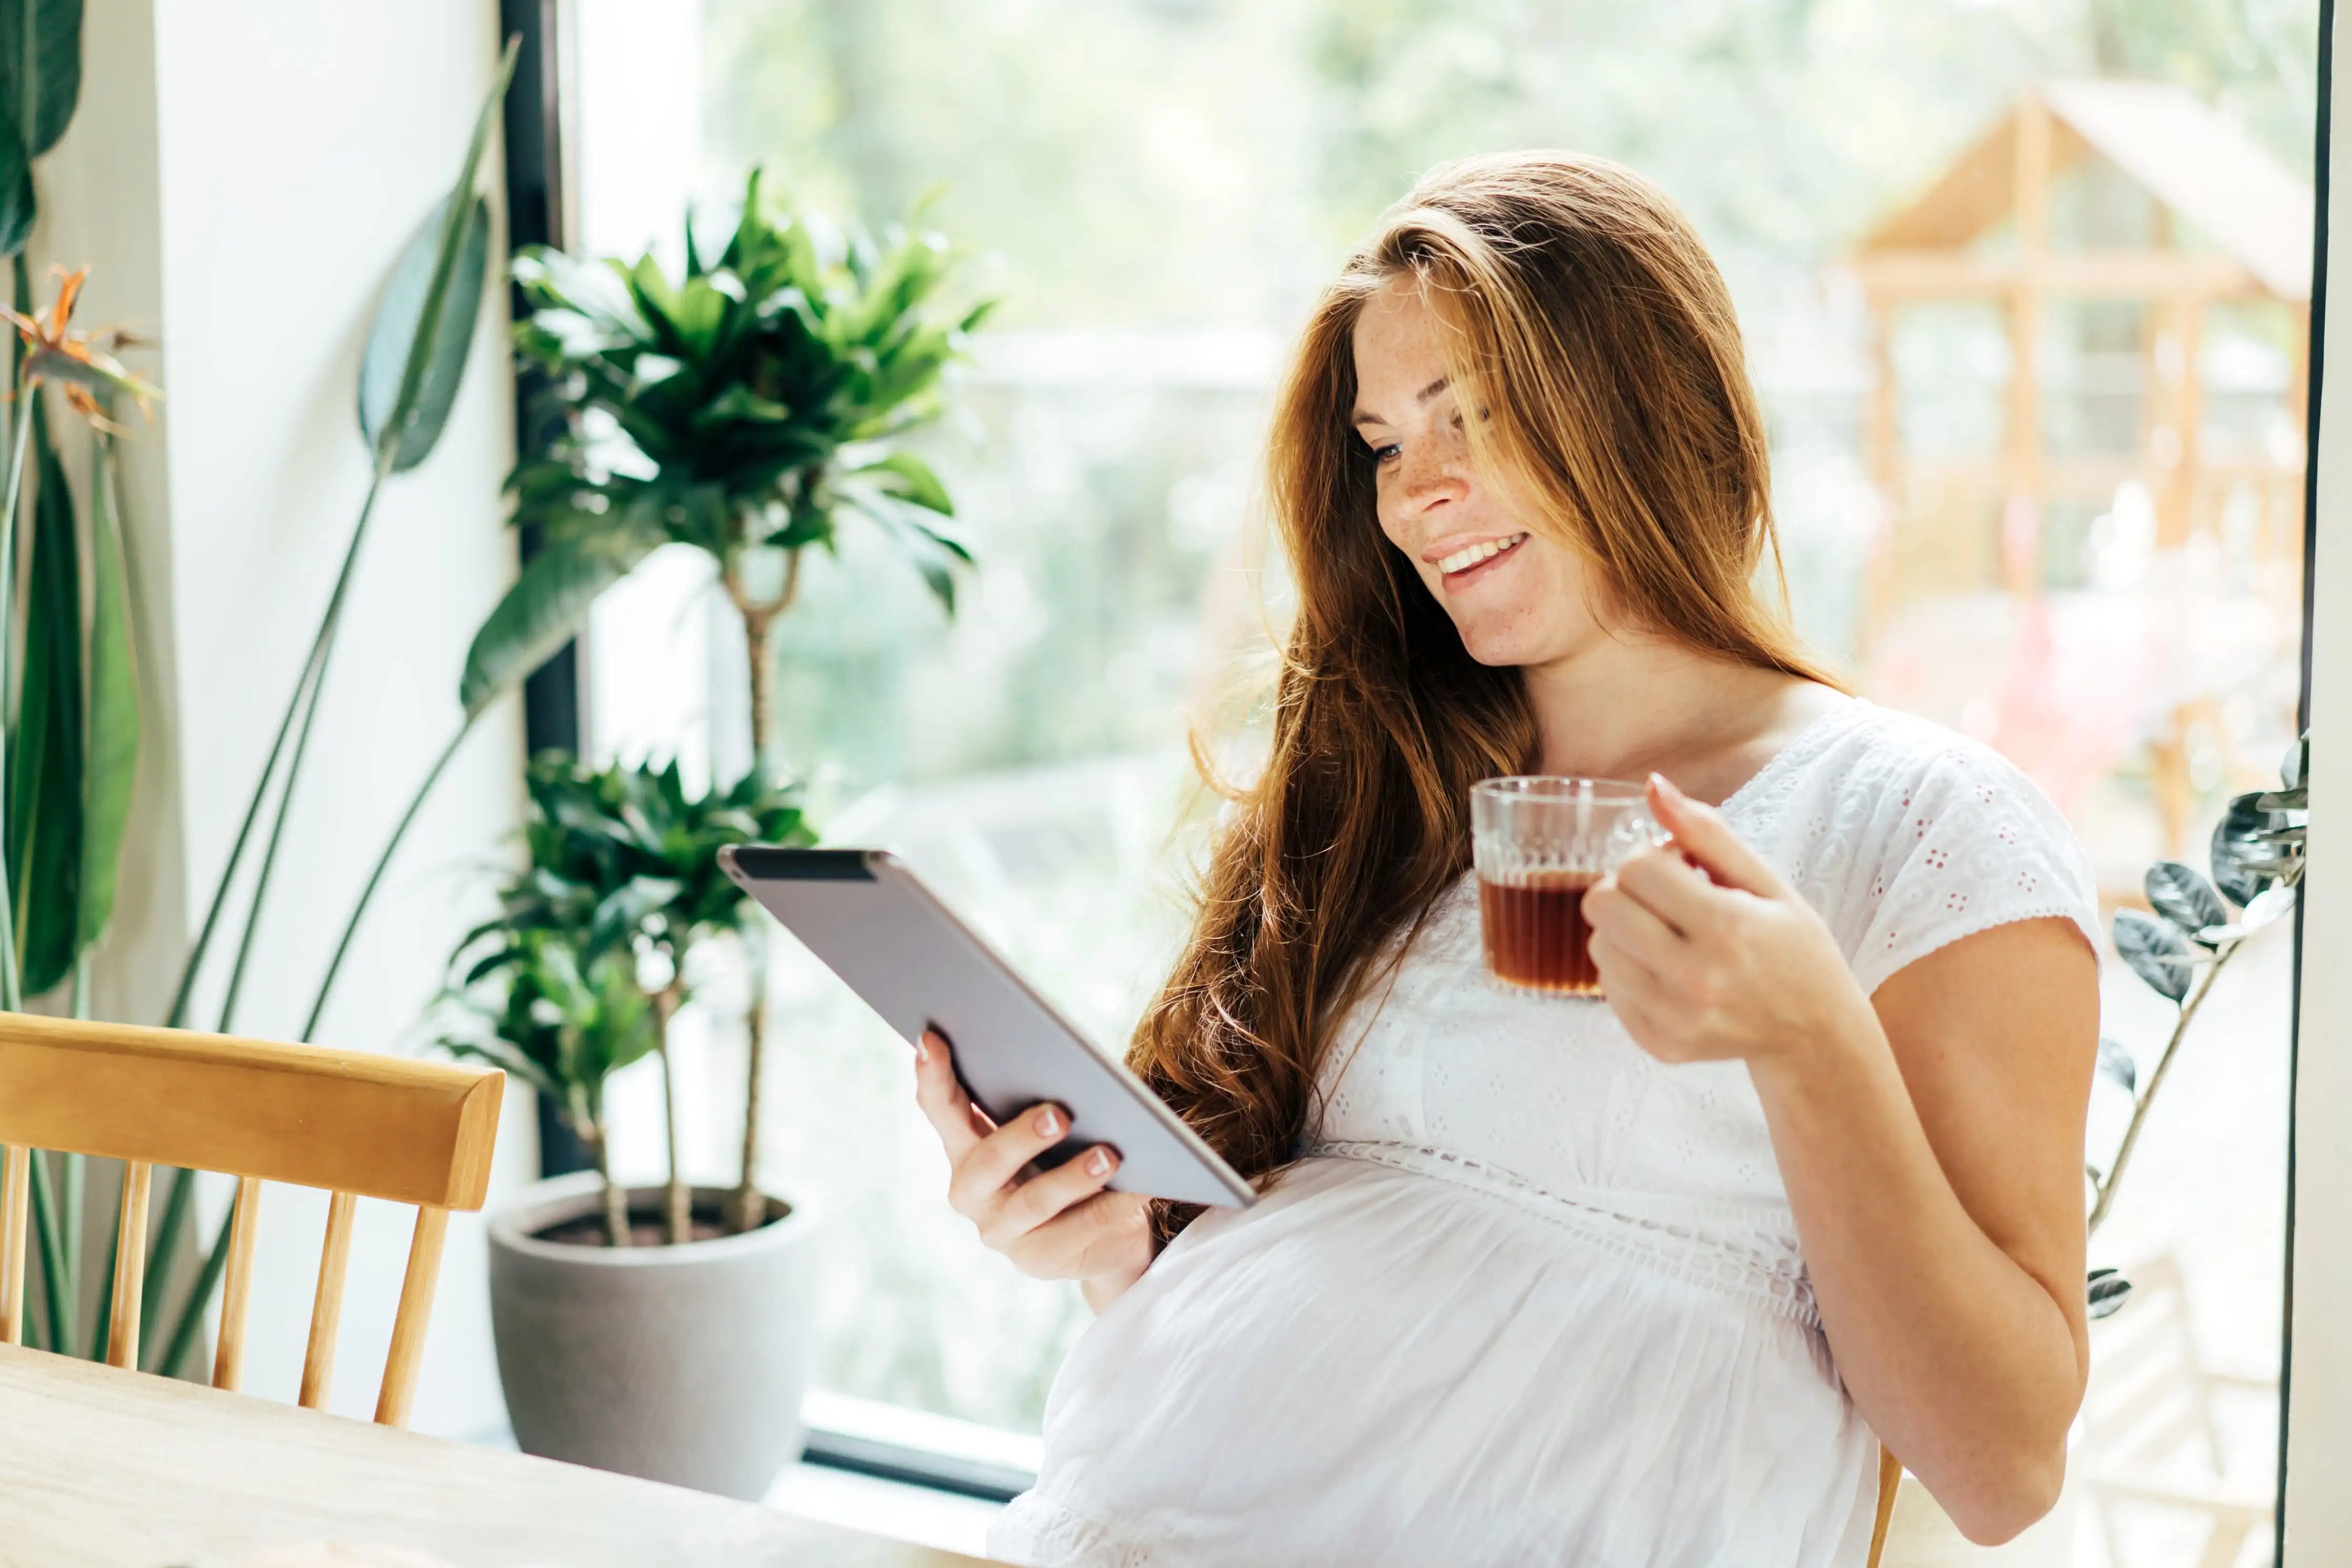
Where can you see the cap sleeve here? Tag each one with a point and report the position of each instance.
(1960, 844)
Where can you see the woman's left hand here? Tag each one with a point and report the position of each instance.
(1708, 955)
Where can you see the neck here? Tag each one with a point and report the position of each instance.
(1631, 703)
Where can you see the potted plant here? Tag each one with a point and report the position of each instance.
(637, 1330)
(743, 408)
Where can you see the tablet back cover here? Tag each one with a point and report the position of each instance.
(873, 922)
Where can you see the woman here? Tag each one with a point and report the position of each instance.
(1636, 1282)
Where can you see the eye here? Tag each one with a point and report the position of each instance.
(1385, 454)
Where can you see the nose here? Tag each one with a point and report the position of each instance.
(1434, 472)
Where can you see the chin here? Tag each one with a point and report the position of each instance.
(1502, 647)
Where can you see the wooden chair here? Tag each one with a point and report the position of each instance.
(2152, 1436)
(1890, 1476)
(355, 1124)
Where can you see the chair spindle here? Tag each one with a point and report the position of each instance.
(407, 1351)
(129, 1266)
(327, 1311)
(16, 1191)
(245, 1224)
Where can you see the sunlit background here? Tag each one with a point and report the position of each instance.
(2026, 289)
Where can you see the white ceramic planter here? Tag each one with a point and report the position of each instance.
(684, 1364)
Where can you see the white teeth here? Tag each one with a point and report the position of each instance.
(1471, 555)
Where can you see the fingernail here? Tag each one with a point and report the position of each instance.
(1099, 1163)
(1048, 1123)
(1665, 787)
(922, 1051)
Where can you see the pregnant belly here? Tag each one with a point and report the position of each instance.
(1379, 1365)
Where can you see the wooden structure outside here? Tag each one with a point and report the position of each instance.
(2222, 225)
(357, 1125)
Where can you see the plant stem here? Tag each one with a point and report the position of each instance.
(678, 1207)
(11, 991)
(182, 1342)
(72, 1180)
(750, 1206)
(331, 624)
(313, 671)
(616, 1198)
(103, 1330)
(53, 1260)
(367, 893)
(759, 625)
(2114, 1176)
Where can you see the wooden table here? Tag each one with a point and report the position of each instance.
(102, 1469)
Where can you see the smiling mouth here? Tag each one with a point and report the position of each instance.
(1472, 555)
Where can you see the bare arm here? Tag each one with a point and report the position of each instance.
(1930, 1138)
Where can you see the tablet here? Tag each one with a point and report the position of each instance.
(873, 922)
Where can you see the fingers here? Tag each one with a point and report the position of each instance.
(1667, 886)
(1107, 1233)
(991, 1164)
(1707, 838)
(1621, 917)
(959, 1123)
(1043, 1196)
(1622, 973)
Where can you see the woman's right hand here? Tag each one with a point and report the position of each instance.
(1055, 1225)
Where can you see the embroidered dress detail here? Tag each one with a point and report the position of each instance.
(1529, 1296)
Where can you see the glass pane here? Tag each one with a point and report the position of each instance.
(2052, 501)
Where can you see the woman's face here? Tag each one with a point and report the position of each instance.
(1516, 597)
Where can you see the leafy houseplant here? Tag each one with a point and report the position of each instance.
(564, 1027)
(623, 882)
(681, 1364)
(742, 409)
(2182, 947)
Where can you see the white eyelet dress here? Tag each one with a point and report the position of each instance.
(1533, 1297)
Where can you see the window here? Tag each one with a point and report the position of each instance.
(2066, 521)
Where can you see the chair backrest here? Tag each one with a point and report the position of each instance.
(355, 1124)
(2151, 1400)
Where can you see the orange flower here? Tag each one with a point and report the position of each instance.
(72, 359)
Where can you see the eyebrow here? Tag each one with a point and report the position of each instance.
(1364, 416)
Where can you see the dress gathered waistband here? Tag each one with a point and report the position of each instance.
(1752, 1263)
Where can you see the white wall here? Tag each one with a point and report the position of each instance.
(242, 175)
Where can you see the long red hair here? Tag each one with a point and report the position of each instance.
(1587, 319)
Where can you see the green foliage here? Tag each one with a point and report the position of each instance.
(743, 407)
(531, 1008)
(40, 83)
(45, 751)
(426, 320)
(621, 864)
(110, 743)
(621, 859)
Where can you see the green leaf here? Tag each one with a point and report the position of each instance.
(112, 722)
(40, 68)
(393, 335)
(912, 478)
(545, 607)
(44, 762)
(409, 330)
(17, 206)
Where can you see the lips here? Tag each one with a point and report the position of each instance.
(1460, 565)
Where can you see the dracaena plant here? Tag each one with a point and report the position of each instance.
(529, 1003)
(2198, 924)
(622, 873)
(748, 406)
